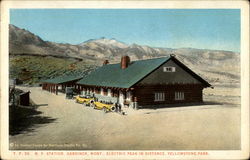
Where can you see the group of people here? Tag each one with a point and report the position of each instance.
(118, 107)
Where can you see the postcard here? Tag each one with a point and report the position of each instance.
(124, 80)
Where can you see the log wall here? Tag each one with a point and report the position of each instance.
(145, 94)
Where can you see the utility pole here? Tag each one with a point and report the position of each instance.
(13, 92)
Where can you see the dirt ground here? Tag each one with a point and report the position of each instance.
(214, 126)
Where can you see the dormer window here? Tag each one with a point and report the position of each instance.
(168, 69)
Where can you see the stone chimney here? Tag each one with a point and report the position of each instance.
(125, 61)
(105, 62)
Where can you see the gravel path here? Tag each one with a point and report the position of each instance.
(207, 127)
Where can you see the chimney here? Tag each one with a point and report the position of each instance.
(125, 61)
(105, 62)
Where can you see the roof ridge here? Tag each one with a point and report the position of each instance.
(164, 57)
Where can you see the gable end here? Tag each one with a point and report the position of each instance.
(172, 71)
(205, 83)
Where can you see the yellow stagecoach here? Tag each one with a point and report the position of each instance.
(84, 99)
(106, 107)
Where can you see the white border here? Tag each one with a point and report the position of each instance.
(243, 5)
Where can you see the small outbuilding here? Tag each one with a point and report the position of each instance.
(24, 99)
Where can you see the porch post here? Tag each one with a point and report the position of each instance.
(50, 88)
(56, 89)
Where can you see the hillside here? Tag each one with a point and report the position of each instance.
(28, 52)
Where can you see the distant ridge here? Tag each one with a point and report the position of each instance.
(203, 61)
(23, 41)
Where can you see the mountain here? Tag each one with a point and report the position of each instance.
(106, 42)
(214, 65)
(23, 42)
(22, 36)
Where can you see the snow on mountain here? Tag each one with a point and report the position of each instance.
(104, 41)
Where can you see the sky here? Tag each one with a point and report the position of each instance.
(168, 28)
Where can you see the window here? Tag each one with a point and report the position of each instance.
(159, 96)
(168, 69)
(179, 95)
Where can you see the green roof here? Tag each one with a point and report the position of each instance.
(63, 79)
(112, 75)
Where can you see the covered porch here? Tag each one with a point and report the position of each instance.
(59, 84)
(122, 96)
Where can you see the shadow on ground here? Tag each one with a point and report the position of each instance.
(23, 119)
(181, 105)
(39, 105)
